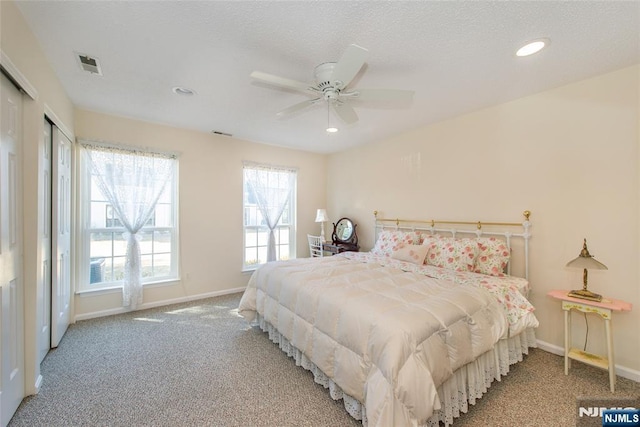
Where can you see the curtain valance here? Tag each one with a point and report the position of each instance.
(268, 167)
(114, 148)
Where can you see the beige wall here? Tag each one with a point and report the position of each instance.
(210, 192)
(24, 56)
(570, 155)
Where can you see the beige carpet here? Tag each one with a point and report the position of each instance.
(200, 364)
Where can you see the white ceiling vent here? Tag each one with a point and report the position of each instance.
(88, 63)
(217, 132)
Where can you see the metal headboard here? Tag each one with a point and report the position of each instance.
(500, 229)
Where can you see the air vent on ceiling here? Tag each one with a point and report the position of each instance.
(90, 64)
(217, 132)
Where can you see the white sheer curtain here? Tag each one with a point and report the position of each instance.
(271, 186)
(132, 182)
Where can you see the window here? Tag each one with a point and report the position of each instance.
(269, 214)
(125, 185)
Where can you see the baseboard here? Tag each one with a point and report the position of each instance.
(623, 371)
(38, 384)
(543, 345)
(145, 306)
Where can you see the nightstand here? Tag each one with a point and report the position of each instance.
(604, 309)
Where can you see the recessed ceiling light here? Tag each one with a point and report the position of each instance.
(178, 90)
(332, 130)
(532, 47)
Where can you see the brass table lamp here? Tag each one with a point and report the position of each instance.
(585, 260)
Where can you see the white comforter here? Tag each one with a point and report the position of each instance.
(386, 336)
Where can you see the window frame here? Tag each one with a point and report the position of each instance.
(85, 230)
(292, 210)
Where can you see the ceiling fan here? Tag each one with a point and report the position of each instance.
(332, 85)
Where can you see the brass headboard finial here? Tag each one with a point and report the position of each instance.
(397, 222)
(479, 225)
(526, 214)
(433, 223)
(375, 213)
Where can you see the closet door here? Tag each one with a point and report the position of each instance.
(61, 235)
(44, 230)
(11, 280)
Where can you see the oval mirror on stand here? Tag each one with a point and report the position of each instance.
(344, 233)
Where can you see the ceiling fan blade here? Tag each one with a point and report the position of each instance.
(345, 111)
(282, 81)
(380, 95)
(297, 107)
(349, 65)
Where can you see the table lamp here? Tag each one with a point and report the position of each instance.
(321, 217)
(585, 260)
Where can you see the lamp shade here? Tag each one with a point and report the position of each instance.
(590, 263)
(321, 215)
(586, 260)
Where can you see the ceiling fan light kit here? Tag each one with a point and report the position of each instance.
(331, 86)
(330, 129)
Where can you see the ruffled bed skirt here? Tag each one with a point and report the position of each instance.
(465, 386)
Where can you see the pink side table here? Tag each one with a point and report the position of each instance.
(604, 308)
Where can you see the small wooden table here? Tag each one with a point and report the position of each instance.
(604, 308)
(336, 248)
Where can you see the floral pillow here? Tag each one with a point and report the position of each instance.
(453, 254)
(493, 256)
(388, 240)
(431, 239)
(411, 253)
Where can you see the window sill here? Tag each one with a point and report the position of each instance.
(114, 289)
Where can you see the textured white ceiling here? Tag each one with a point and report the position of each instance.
(457, 57)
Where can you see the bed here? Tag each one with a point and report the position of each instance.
(410, 333)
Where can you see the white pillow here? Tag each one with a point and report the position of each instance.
(411, 253)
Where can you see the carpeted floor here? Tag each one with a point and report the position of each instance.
(200, 364)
